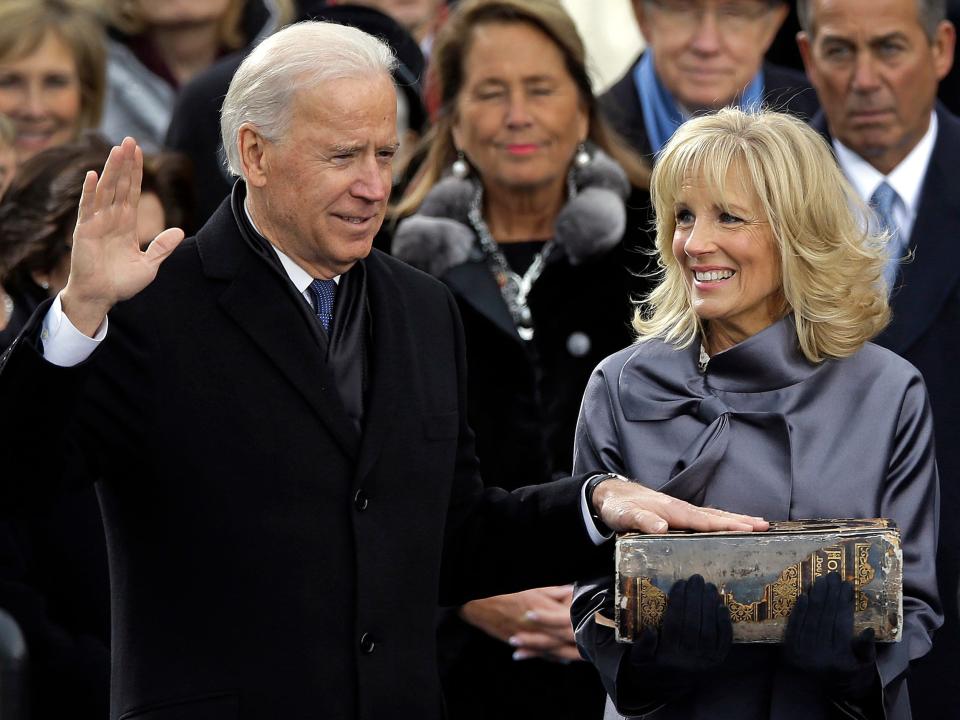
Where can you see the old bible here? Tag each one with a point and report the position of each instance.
(760, 575)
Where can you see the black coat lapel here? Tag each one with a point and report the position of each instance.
(621, 106)
(265, 306)
(391, 356)
(928, 281)
(473, 283)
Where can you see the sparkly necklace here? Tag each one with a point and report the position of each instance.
(704, 359)
(514, 288)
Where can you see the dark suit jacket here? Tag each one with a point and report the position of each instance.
(267, 560)
(784, 89)
(926, 331)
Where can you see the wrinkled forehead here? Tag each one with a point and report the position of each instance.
(359, 92)
(349, 106)
(859, 19)
(679, 14)
(749, 8)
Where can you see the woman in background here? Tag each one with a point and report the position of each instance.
(156, 47)
(40, 209)
(52, 72)
(519, 208)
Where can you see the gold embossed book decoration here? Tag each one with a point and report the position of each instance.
(760, 575)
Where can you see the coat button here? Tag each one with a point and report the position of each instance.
(578, 344)
(360, 500)
(367, 645)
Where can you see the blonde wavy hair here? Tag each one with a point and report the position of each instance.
(831, 266)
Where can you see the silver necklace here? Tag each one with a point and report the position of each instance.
(704, 359)
(513, 287)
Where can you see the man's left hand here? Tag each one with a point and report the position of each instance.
(625, 506)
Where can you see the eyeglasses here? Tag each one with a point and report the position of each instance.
(732, 17)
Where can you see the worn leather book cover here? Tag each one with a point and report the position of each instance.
(760, 575)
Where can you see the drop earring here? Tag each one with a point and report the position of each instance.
(460, 169)
(582, 158)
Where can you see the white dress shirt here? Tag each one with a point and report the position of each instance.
(906, 178)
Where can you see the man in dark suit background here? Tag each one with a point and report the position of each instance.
(289, 485)
(876, 65)
(702, 55)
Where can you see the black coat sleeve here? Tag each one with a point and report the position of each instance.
(498, 541)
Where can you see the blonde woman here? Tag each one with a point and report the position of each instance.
(753, 386)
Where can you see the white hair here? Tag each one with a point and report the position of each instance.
(300, 56)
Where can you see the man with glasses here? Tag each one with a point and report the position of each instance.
(702, 55)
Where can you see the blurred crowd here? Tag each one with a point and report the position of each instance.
(546, 259)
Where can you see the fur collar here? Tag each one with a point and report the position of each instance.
(439, 237)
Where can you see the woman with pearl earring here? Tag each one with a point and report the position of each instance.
(520, 208)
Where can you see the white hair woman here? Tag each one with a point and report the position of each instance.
(753, 386)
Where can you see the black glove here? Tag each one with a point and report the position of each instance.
(819, 641)
(694, 638)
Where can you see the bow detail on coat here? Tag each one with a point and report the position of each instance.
(731, 415)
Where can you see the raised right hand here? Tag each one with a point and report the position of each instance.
(106, 264)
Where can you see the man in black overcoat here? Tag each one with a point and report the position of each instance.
(289, 486)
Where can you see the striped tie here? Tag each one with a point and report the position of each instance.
(882, 202)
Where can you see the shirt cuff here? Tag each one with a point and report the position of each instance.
(62, 343)
(597, 537)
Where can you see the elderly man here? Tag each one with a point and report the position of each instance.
(875, 65)
(289, 484)
(702, 55)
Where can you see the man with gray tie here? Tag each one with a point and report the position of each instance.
(876, 65)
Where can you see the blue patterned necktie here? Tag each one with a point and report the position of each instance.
(324, 292)
(882, 202)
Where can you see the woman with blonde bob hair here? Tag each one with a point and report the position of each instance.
(753, 388)
(831, 271)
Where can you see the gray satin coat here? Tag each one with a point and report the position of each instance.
(764, 432)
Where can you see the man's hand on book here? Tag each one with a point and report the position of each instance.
(628, 506)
